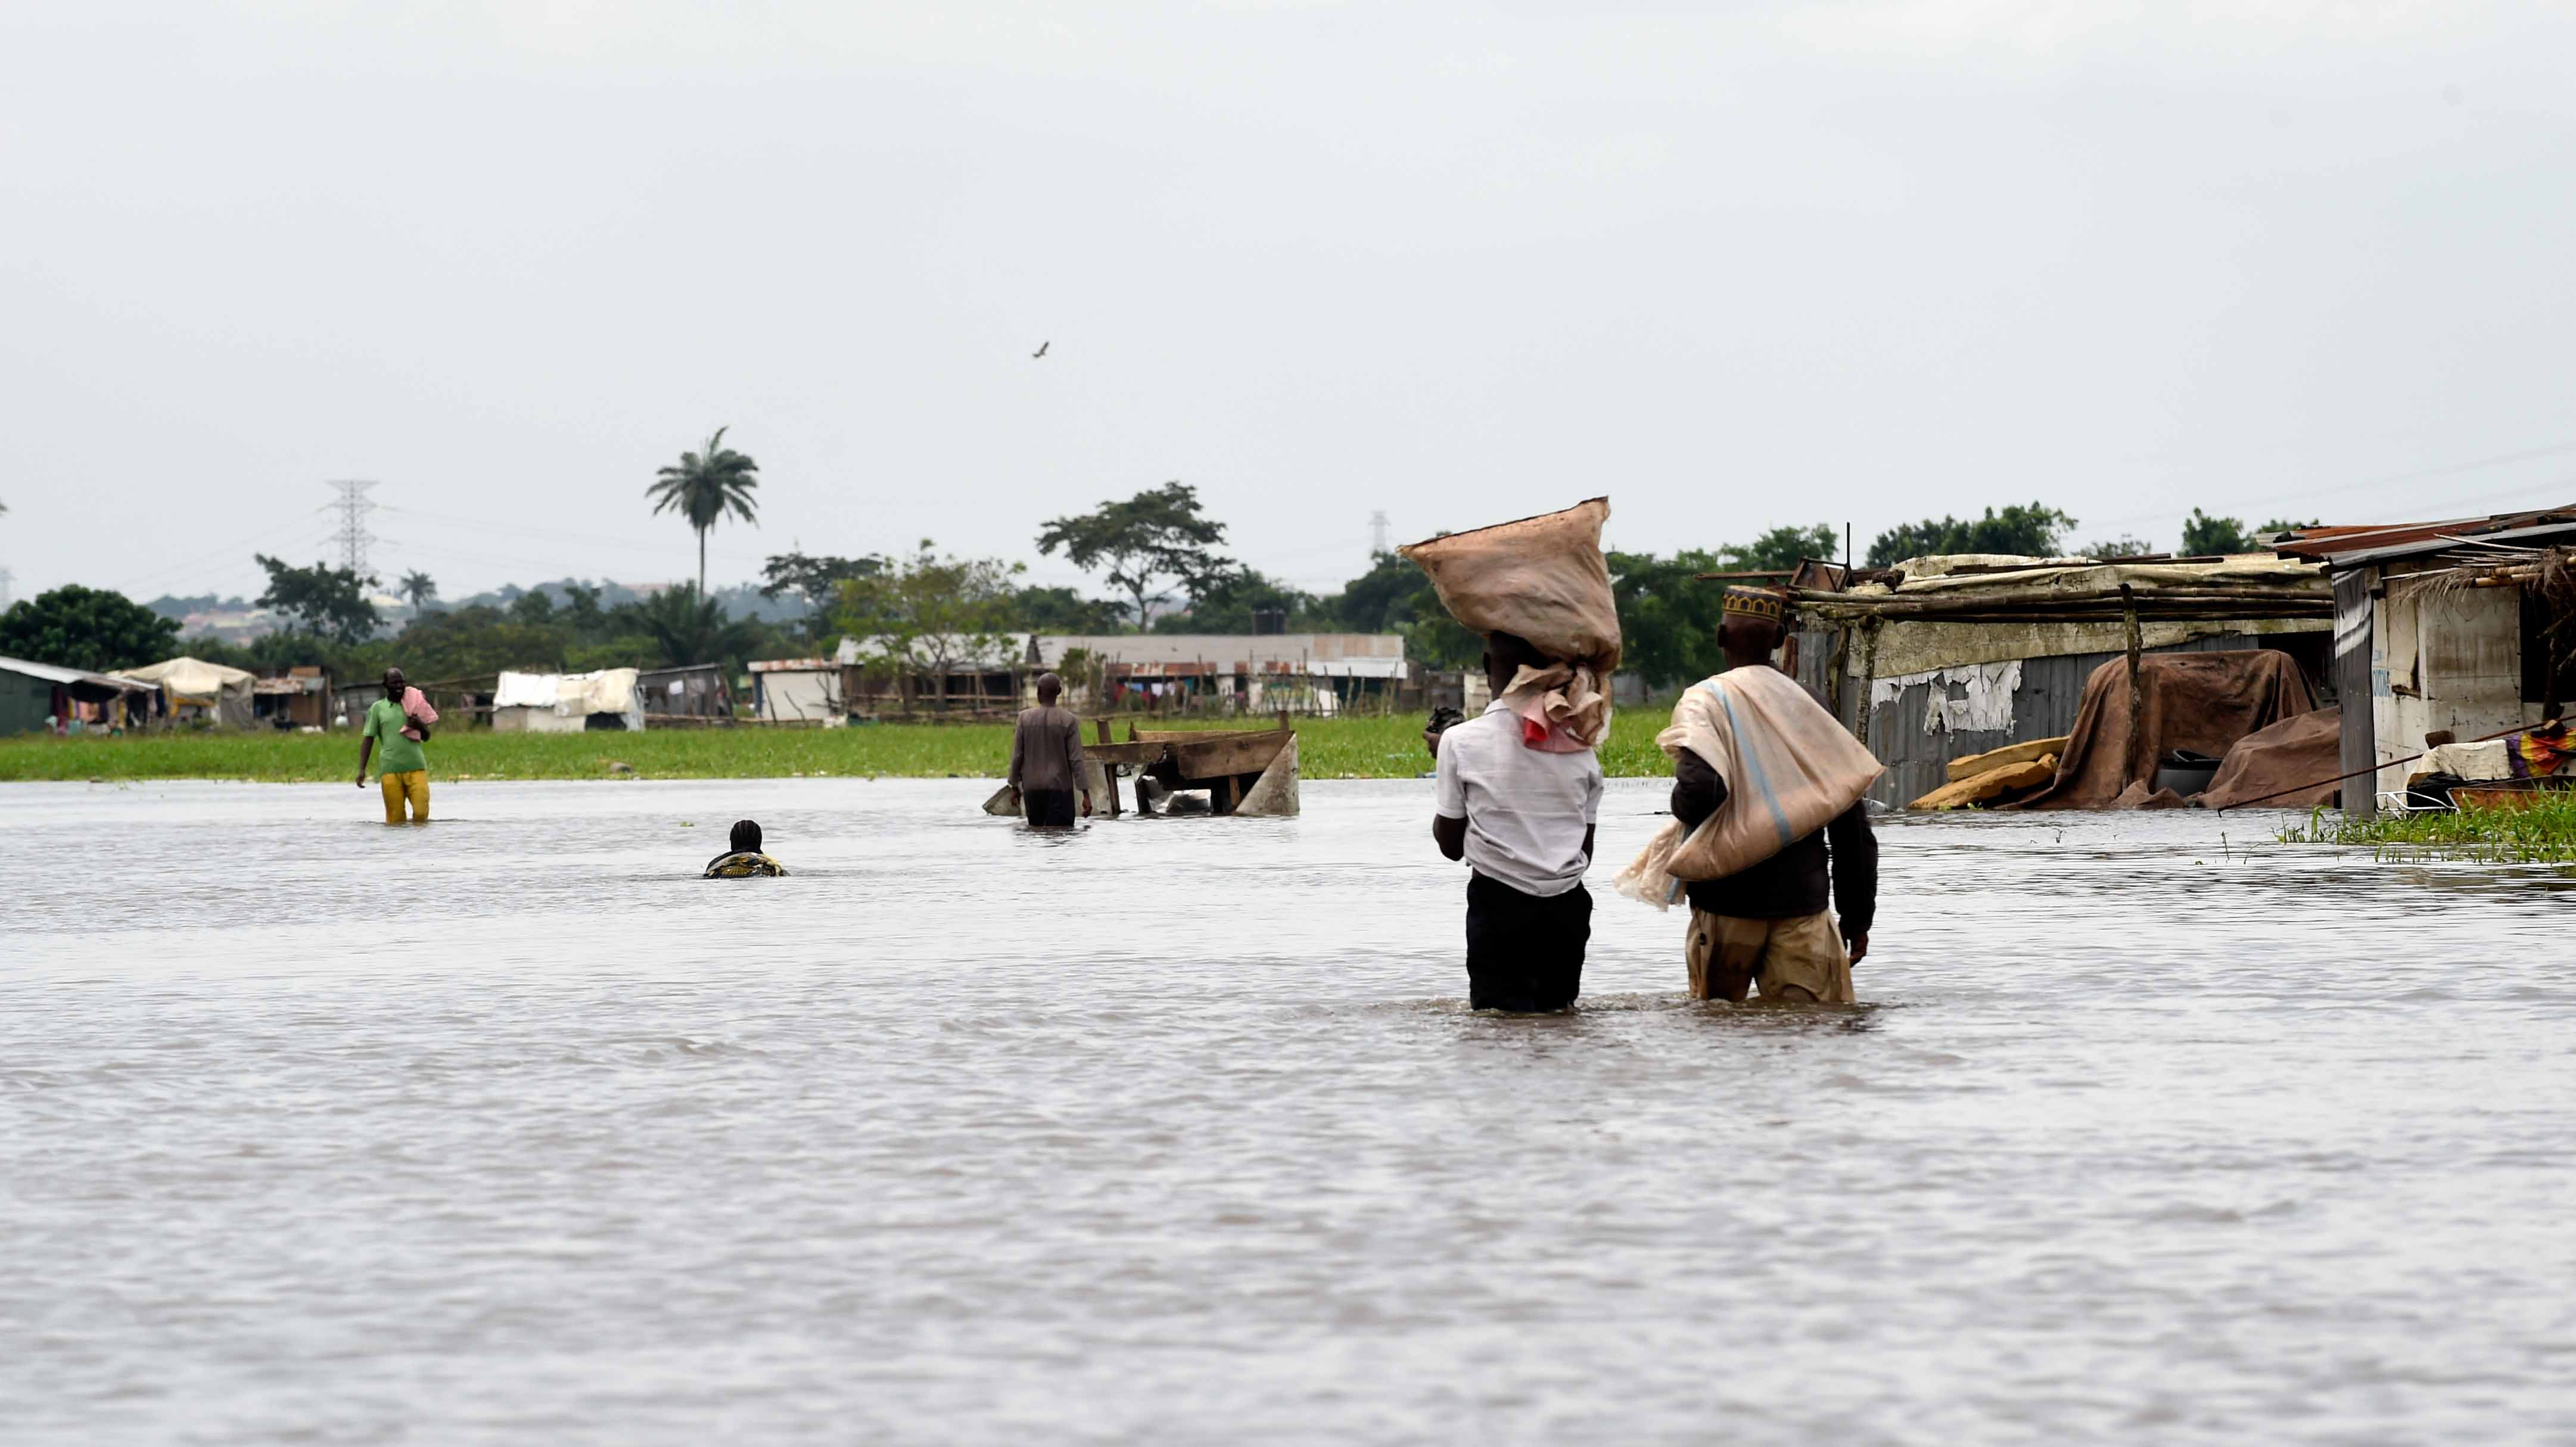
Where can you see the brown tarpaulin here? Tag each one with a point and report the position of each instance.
(2297, 750)
(2199, 701)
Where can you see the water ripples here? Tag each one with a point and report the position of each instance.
(508, 1128)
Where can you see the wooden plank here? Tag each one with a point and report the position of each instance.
(1233, 754)
(1989, 784)
(1138, 755)
(1975, 764)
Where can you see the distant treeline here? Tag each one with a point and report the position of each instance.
(1156, 548)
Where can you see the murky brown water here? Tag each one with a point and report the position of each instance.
(509, 1130)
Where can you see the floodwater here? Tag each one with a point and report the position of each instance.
(508, 1129)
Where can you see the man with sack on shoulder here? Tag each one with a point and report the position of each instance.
(1516, 800)
(1759, 762)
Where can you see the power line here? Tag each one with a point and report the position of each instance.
(354, 537)
(2451, 469)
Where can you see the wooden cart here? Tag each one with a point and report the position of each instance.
(1228, 763)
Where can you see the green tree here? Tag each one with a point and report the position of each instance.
(419, 589)
(2123, 546)
(1780, 550)
(706, 486)
(1668, 616)
(328, 601)
(1228, 605)
(687, 627)
(96, 629)
(476, 639)
(931, 612)
(1157, 534)
(2021, 531)
(582, 616)
(1062, 610)
(2203, 535)
(814, 580)
(1394, 596)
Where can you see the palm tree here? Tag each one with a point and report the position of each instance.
(690, 627)
(704, 487)
(418, 587)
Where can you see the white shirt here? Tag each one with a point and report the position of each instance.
(1526, 809)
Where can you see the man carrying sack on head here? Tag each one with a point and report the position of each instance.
(1767, 808)
(1520, 786)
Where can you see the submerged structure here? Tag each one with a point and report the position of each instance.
(1941, 661)
(1248, 773)
(2445, 632)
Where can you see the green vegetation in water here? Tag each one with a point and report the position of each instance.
(2545, 833)
(1327, 748)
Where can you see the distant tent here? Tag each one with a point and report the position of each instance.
(194, 688)
(567, 703)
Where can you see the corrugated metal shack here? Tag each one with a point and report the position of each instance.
(695, 695)
(1943, 658)
(2465, 626)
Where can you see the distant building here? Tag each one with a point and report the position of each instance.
(1303, 672)
(2444, 627)
(32, 693)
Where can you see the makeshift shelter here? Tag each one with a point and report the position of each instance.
(695, 694)
(2204, 703)
(193, 690)
(798, 690)
(2287, 765)
(2466, 626)
(1943, 659)
(300, 699)
(31, 693)
(567, 703)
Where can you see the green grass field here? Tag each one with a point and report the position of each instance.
(2542, 834)
(1341, 748)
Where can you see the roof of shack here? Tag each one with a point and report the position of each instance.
(2346, 546)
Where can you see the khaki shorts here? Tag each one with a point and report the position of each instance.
(1728, 955)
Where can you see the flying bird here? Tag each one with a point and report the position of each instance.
(1041, 351)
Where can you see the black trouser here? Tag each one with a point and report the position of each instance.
(1524, 952)
(1048, 806)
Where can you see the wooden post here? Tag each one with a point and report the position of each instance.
(1108, 772)
(1862, 717)
(2137, 697)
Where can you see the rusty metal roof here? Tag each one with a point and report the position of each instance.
(2341, 545)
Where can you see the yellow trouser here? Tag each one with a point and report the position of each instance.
(1805, 954)
(398, 787)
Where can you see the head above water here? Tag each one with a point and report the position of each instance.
(746, 837)
(1050, 688)
(1504, 655)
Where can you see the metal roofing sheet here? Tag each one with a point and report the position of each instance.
(56, 673)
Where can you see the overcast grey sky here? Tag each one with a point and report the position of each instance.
(1735, 266)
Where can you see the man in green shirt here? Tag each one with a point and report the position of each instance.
(401, 767)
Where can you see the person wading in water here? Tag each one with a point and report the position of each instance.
(744, 859)
(401, 767)
(1767, 923)
(1046, 759)
(1521, 816)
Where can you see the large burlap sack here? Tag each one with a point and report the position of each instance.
(1790, 769)
(1541, 578)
